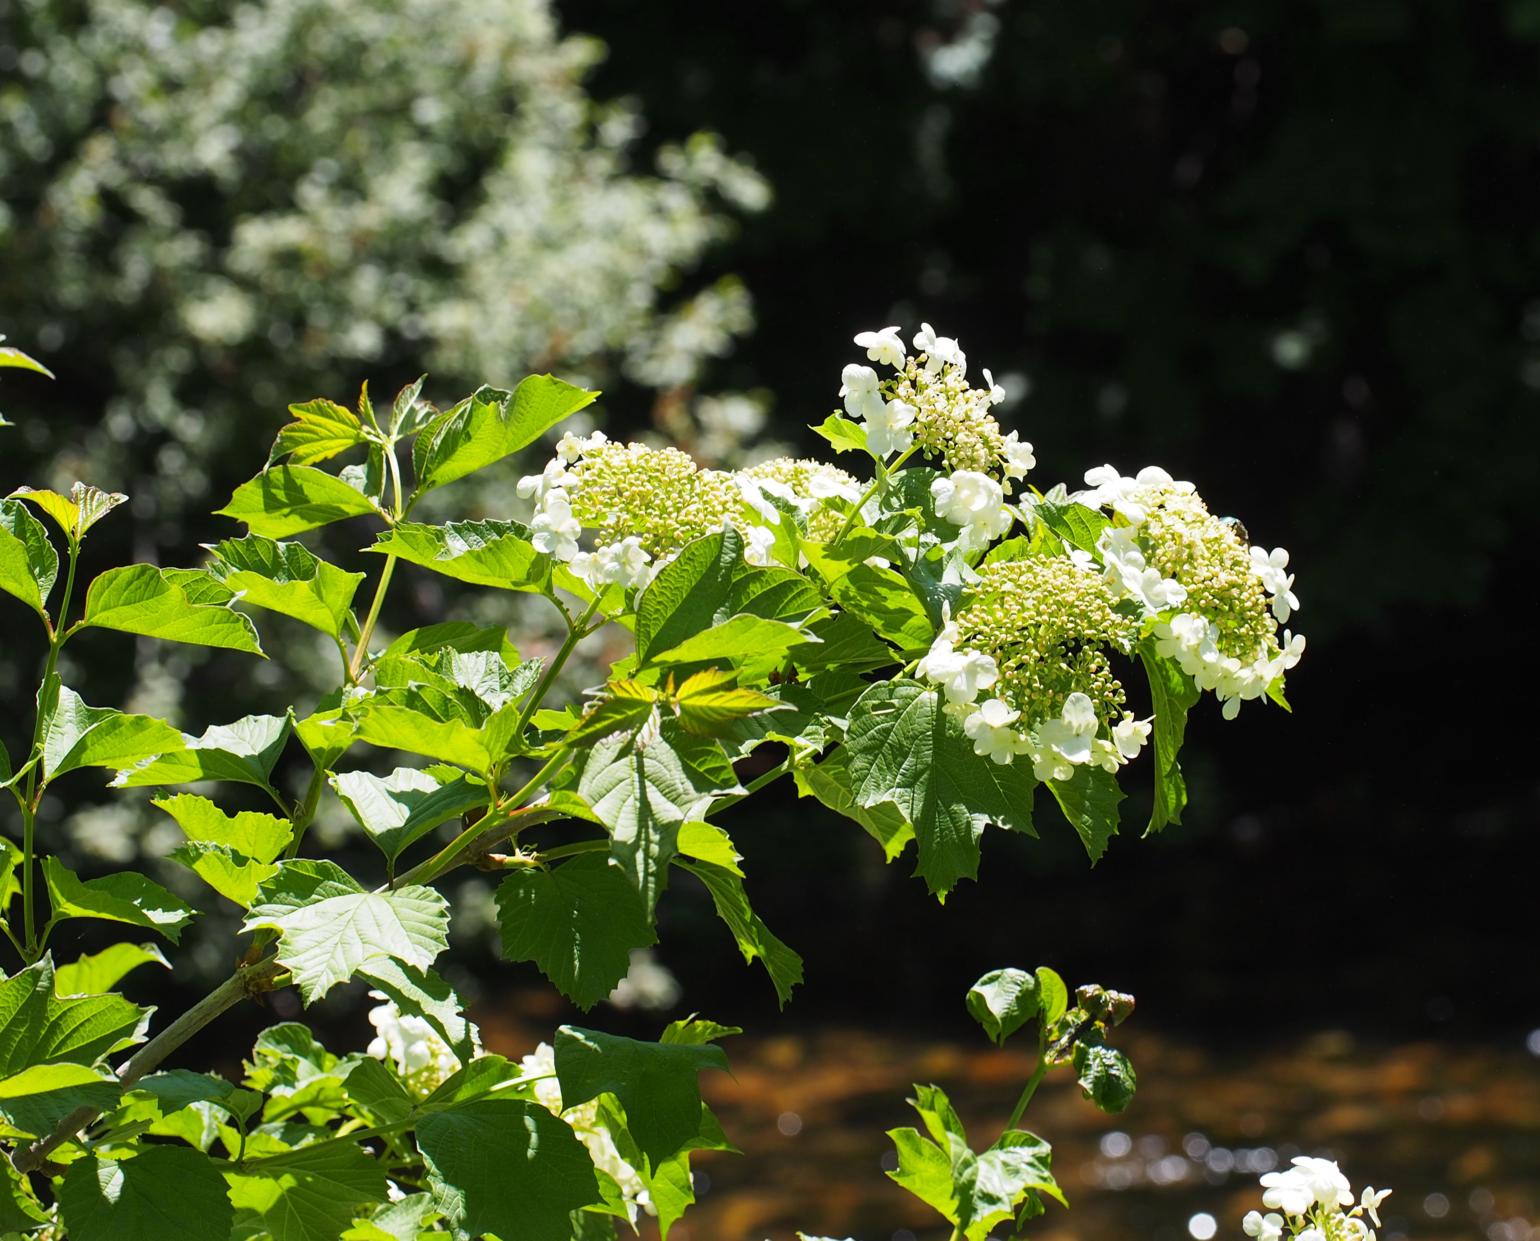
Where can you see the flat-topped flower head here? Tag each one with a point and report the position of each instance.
(809, 486)
(929, 402)
(1312, 1201)
(1215, 602)
(1048, 627)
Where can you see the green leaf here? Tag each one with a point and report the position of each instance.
(140, 599)
(330, 928)
(1105, 1075)
(489, 425)
(400, 1221)
(164, 1191)
(175, 1089)
(78, 735)
(708, 843)
(578, 922)
(78, 512)
(378, 1090)
(122, 897)
(321, 429)
(842, 433)
(906, 749)
(1003, 1001)
(249, 832)
(708, 583)
(395, 727)
(242, 752)
(287, 578)
(710, 701)
(656, 1083)
(96, 973)
(642, 788)
(38, 1098)
(696, 1030)
(845, 643)
(1090, 800)
(10, 888)
(1172, 695)
(751, 644)
(14, 359)
(1053, 995)
(829, 782)
(506, 1167)
(19, 1211)
(973, 1191)
(309, 1194)
(755, 939)
(882, 600)
(423, 993)
(399, 809)
(455, 636)
(290, 499)
(38, 1027)
(29, 564)
(1076, 524)
(483, 553)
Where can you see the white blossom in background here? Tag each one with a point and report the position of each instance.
(421, 1058)
(648, 985)
(1313, 1201)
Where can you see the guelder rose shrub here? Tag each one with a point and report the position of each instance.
(924, 642)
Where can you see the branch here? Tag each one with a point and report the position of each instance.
(248, 980)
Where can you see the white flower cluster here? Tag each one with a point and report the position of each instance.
(1316, 1204)
(423, 1060)
(929, 400)
(556, 529)
(1212, 601)
(540, 1065)
(1055, 746)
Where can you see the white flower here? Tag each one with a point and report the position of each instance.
(859, 388)
(554, 477)
(1263, 1227)
(961, 674)
(1019, 457)
(1069, 737)
(1310, 1234)
(555, 529)
(1287, 1192)
(419, 1054)
(966, 497)
(1370, 1202)
(883, 347)
(572, 446)
(1309, 1181)
(990, 730)
(1270, 567)
(939, 351)
(625, 562)
(758, 542)
(888, 427)
(1130, 736)
(1157, 593)
(996, 392)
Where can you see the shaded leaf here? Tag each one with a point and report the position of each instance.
(506, 1167)
(96, 973)
(1090, 800)
(483, 553)
(1172, 695)
(755, 939)
(1003, 1001)
(287, 578)
(164, 1191)
(578, 922)
(309, 1194)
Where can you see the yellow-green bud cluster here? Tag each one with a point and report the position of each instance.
(812, 483)
(951, 420)
(657, 494)
(1049, 625)
(1207, 556)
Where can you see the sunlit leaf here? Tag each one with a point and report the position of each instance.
(287, 578)
(140, 599)
(290, 499)
(125, 896)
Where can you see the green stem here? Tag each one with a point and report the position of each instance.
(576, 632)
(884, 472)
(1027, 1092)
(496, 823)
(361, 651)
(575, 848)
(46, 701)
(753, 786)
